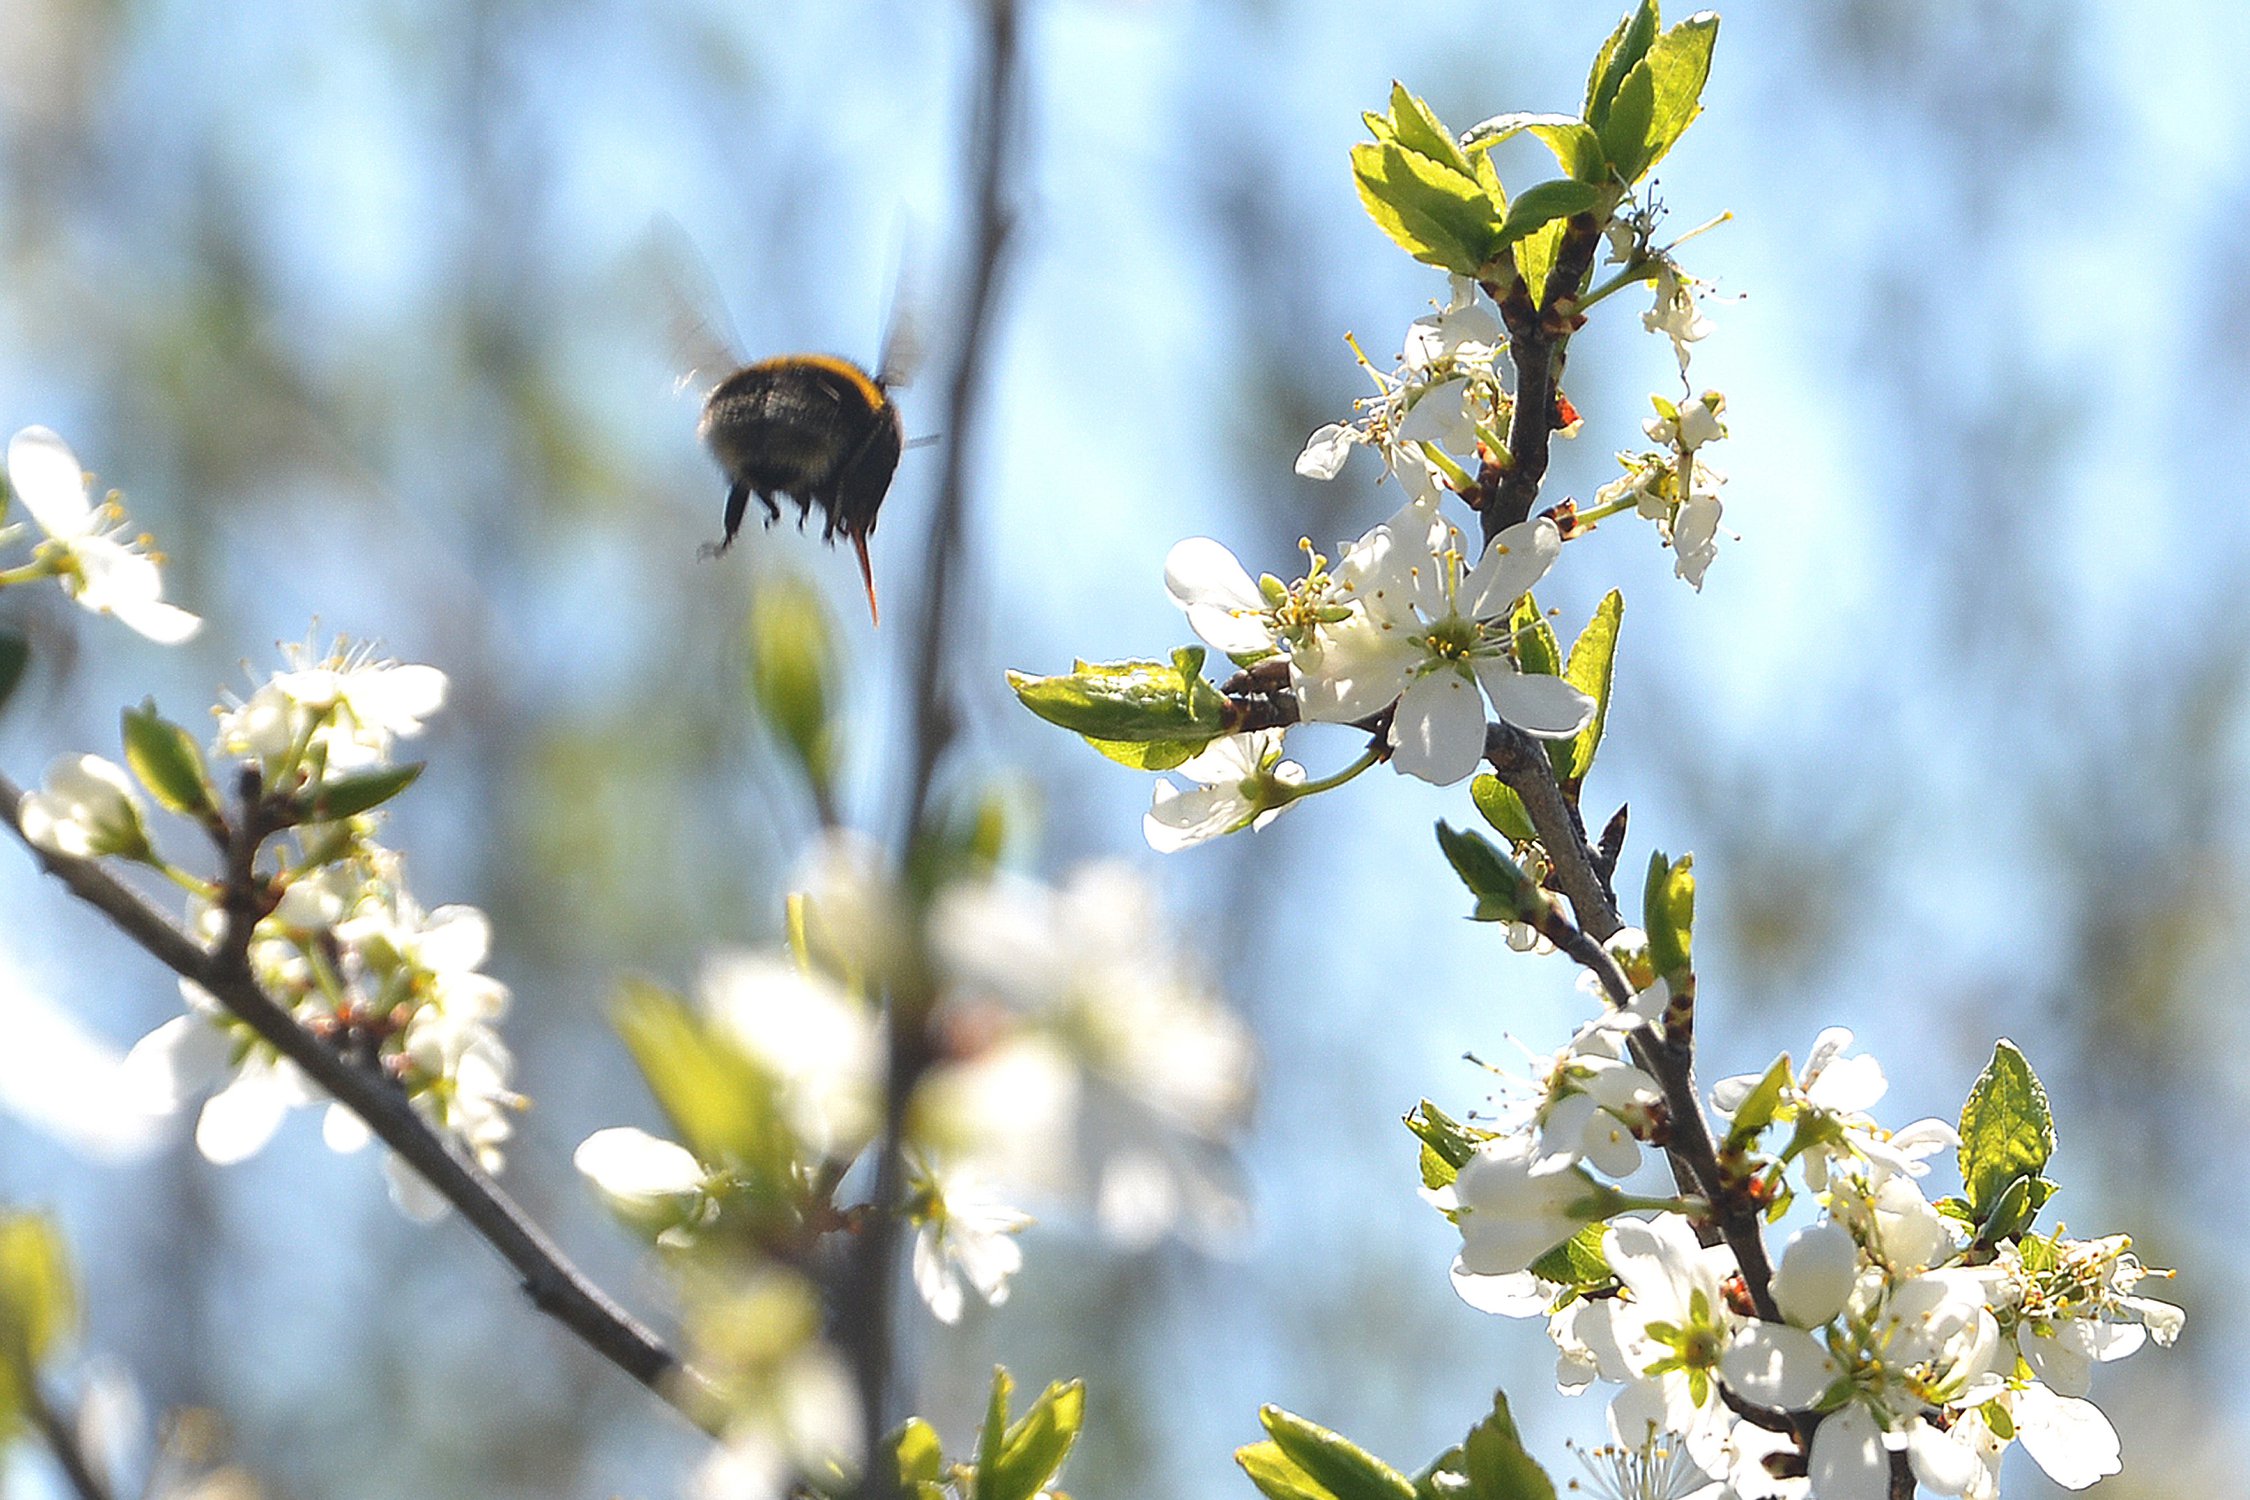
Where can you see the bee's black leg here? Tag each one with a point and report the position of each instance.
(773, 507)
(738, 500)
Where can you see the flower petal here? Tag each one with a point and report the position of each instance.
(1438, 732)
(1516, 560)
(1534, 702)
(50, 482)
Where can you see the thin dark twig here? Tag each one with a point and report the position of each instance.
(61, 1438)
(865, 1307)
(554, 1285)
(1520, 762)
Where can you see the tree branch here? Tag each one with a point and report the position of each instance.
(865, 1313)
(554, 1285)
(1537, 339)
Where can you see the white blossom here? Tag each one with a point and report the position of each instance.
(1428, 635)
(87, 806)
(964, 1240)
(89, 547)
(1241, 782)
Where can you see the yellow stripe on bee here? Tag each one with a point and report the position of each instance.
(859, 379)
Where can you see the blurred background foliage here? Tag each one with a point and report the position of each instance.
(354, 303)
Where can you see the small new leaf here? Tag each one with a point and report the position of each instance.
(1033, 1448)
(1679, 64)
(1496, 1463)
(1668, 913)
(1444, 1138)
(168, 762)
(1577, 1261)
(1433, 212)
(1504, 892)
(1502, 808)
(1592, 669)
(720, 1101)
(1143, 702)
(2007, 1130)
(1626, 46)
(1332, 1462)
(38, 1295)
(1577, 149)
(1145, 755)
(1755, 1112)
(1536, 649)
(1276, 1475)
(348, 796)
(1537, 207)
(1625, 130)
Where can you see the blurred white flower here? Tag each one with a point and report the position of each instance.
(334, 711)
(636, 1168)
(88, 546)
(822, 1043)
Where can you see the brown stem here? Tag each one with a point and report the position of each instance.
(554, 1285)
(1538, 337)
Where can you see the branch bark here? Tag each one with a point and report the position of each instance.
(555, 1286)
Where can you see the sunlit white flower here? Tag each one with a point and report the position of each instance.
(2065, 1435)
(335, 711)
(1676, 314)
(964, 1240)
(88, 546)
(1241, 781)
(86, 807)
(1446, 387)
(1429, 635)
(1672, 1330)
(1510, 1214)
(1817, 1273)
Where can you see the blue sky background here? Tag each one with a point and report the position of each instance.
(354, 303)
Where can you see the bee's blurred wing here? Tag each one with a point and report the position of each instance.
(700, 341)
(903, 343)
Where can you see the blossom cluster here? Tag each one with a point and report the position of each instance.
(1905, 1325)
(339, 940)
(1081, 1059)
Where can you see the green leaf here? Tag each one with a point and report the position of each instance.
(1416, 127)
(791, 672)
(1333, 1462)
(1577, 1261)
(38, 1295)
(1496, 1463)
(1755, 1112)
(1535, 257)
(720, 1100)
(1540, 205)
(1033, 1450)
(1668, 914)
(1502, 808)
(348, 796)
(1536, 650)
(168, 762)
(994, 1433)
(15, 655)
(1504, 893)
(1679, 64)
(1276, 1475)
(2007, 1130)
(1626, 46)
(1146, 755)
(1435, 214)
(1576, 147)
(1140, 701)
(1625, 131)
(1445, 1139)
(921, 1457)
(1593, 667)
